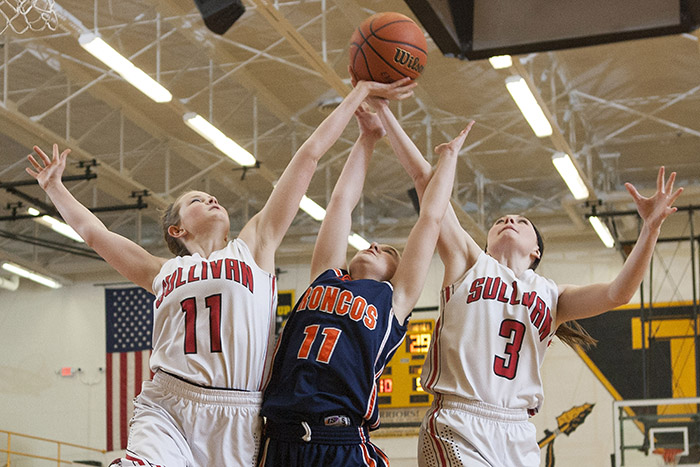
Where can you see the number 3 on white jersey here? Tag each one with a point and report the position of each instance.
(513, 331)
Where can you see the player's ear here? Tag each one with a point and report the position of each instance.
(176, 231)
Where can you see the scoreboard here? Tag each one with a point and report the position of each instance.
(399, 385)
(285, 303)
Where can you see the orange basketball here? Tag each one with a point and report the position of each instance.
(387, 47)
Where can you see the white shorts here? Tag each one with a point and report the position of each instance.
(459, 432)
(177, 424)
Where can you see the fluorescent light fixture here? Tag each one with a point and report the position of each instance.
(566, 168)
(523, 97)
(310, 207)
(31, 275)
(602, 231)
(358, 242)
(222, 142)
(58, 226)
(94, 44)
(499, 62)
(64, 229)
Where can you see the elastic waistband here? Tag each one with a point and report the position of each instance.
(205, 395)
(303, 432)
(481, 409)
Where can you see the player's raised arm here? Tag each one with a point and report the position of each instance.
(265, 231)
(578, 302)
(413, 269)
(330, 250)
(453, 238)
(128, 258)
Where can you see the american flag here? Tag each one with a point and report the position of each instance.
(129, 325)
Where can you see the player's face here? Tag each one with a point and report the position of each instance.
(198, 208)
(379, 260)
(512, 231)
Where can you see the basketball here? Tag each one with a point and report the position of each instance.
(387, 47)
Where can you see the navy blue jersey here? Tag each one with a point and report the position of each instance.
(332, 351)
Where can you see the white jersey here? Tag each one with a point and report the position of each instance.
(213, 318)
(490, 340)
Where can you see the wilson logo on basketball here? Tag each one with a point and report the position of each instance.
(404, 58)
(387, 47)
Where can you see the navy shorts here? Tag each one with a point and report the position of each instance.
(298, 444)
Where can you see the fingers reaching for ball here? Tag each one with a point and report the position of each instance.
(400, 89)
(397, 90)
(456, 144)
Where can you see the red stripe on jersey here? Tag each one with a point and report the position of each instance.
(140, 461)
(341, 276)
(434, 437)
(369, 461)
(378, 452)
(435, 360)
(381, 454)
(135, 460)
(434, 363)
(372, 399)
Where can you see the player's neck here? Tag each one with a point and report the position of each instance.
(515, 262)
(205, 245)
(365, 273)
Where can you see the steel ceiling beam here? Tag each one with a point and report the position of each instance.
(141, 120)
(557, 138)
(644, 115)
(301, 45)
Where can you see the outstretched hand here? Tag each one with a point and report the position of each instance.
(655, 209)
(369, 122)
(51, 170)
(397, 90)
(456, 144)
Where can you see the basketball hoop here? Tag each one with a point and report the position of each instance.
(23, 15)
(669, 456)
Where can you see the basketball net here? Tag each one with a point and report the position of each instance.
(23, 15)
(669, 456)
